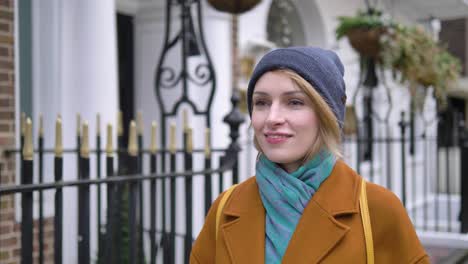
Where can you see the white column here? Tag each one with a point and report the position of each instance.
(149, 38)
(88, 62)
(75, 71)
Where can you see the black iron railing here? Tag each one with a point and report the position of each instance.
(421, 166)
(142, 201)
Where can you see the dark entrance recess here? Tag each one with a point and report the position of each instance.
(448, 126)
(126, 68)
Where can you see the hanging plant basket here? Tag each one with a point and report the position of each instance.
(233, 6)
(366, 41)
(412, 55)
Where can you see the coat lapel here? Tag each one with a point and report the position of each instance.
(316, 234)
(244, 233)
(319, 230)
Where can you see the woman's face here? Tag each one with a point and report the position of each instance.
(283, 119)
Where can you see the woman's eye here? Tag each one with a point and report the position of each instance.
(259, 102)
(296, 102)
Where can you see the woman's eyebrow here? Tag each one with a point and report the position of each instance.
(259, 93)
(285, 93)
(293, 92)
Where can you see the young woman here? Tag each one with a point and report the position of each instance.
(303, 204)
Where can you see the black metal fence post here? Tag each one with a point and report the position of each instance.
(27, 197)
(463, 143)
(388, 156)
(98, 175)
(370, 83)
(58, 172)
(83, 201)
(119, 188)
(140, 215)
(426, 180)
(234, 119)
(23, 131)
(402, 125)
(208, 180)
(153, 203)
(133, 209)
(112, 204)
(41, 195)
(164, 191)
(172, 189)
(221, 175)
(188, 166)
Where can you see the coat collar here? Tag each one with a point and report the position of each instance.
(244, 233)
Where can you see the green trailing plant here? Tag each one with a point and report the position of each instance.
(409, 52)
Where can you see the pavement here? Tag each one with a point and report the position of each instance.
(440, 255)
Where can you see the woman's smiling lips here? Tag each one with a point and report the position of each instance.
(276, 138)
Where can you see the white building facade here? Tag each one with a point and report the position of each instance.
(75, 70)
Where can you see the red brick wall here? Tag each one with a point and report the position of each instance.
(10, 249)
(9, 236)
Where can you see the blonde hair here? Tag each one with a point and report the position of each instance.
(329, 131)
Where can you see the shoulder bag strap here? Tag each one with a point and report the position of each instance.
(221, 206)
(366, 223)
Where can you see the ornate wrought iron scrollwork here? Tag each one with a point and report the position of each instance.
(202, 75)
(172, 83)
(184, 42)
(168, 78)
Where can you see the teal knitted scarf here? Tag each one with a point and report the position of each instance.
(285, 195)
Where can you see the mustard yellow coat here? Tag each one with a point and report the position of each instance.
(329, 231)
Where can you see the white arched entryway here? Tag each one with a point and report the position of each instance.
(312, 21)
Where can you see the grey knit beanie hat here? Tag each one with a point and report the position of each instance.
(321, 68)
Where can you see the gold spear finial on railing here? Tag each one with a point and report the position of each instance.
(109, 145)
(207, 143)
(140, 123)
(23, 123)
(153, 146)
(41, 126)
(172, 139)
(58, 138)
(132, 140)
(78, 124)
(98, 124)
(28, 145)
(84, 150)
(189, 140)
(119, 124)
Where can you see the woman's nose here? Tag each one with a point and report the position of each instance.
(275, 116)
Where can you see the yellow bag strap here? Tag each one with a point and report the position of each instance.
(221, 206)
(366, 223)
